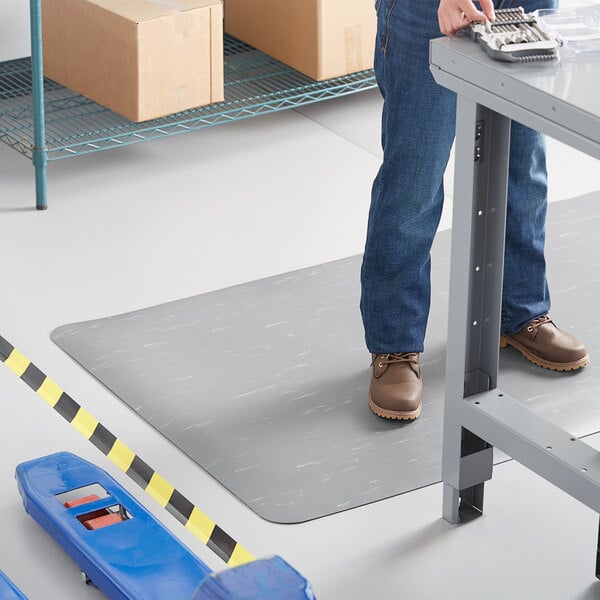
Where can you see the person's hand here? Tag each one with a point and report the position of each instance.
(454, 15)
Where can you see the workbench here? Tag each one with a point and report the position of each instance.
(562, 100)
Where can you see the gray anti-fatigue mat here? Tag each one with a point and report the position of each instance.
(264, 385)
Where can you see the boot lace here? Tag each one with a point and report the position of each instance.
(539, 321)
(397, 357)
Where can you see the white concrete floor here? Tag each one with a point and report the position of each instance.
(155, 222)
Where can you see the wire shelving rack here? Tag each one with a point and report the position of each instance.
(45, 121)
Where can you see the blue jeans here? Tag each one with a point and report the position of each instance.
(418, 128)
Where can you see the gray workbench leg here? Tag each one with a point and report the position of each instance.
(478, 231)
(598, 556)
(39, 151)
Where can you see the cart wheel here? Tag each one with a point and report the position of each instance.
(85, 578)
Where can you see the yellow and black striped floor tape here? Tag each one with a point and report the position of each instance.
(206, 530)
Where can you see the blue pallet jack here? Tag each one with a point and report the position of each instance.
(128, 554)
(8, 590)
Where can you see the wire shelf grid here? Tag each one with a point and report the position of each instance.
(255, 84)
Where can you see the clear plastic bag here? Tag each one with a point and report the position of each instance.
(577, 29)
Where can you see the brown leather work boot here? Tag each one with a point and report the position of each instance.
(396, 386)
(545, 345)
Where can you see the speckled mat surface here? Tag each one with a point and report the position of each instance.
(264, 384)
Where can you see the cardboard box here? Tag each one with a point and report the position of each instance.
(320, 38)
(143, 59)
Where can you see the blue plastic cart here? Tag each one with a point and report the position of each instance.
(124, 551)
(8, 590)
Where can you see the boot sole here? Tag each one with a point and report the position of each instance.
(546, 364)
(398, 415)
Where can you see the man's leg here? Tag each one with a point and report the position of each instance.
(526, 300)
(407, 198)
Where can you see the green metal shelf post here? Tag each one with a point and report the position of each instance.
(39, 151)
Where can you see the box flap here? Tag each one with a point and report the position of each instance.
(145, 10)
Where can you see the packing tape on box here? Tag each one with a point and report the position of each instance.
(194, 520)
(170, 4)
(179, 7)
